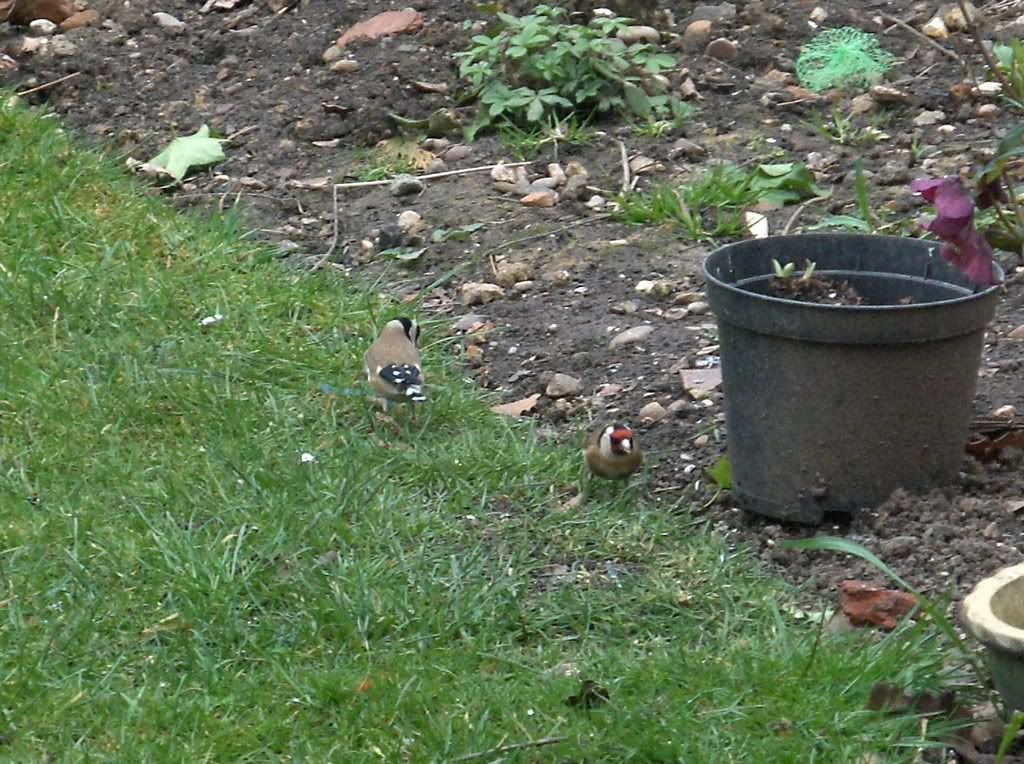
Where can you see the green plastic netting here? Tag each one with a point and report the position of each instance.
(842, 58)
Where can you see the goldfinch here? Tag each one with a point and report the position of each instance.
(393, 363)
(613, 453)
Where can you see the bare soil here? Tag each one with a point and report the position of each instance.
(257, 75)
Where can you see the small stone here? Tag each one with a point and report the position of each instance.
(556, 172)
(989, 111)
(687, 148)
(676, 314)
(625, 308)
(653, 412)
(62, 46)
(695, 36)
(508, 273)
(723, 49)
(942, 130)
(887, 94)
(467, 322)
(411, 222)
(383, 25)
(989, 89)
(332, 54)
(559, 278)
(438, 145)
(1016, 334)
(480, 293)
(686, 298)
(863, 104)
(563, 386)
(576, 169)
(991, 531)
(819, 15)
(169, 22)
(344, 66)
(637, 34)
(543, 184)
(632, 336)
(688, 90)
(955, 20)
(79, 20)
(678, 406)
(723, 13)
(43, 27)
(698, 308)
(559, 410)
(457, 153)
(576, 187)
(405, 185)
(936, 29)
(502, 173)
(928, 118)
(659, 288)
(539, 199)
(522, 287)
(596, 202)
(701, 441)
(1005, 412)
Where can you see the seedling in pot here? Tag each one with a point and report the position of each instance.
(786, 271)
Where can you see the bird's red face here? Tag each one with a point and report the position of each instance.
(621, 440)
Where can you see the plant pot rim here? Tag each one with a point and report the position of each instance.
(863, 309)
(986, 626)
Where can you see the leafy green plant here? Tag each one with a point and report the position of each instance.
(537, 66)
(1010, 59)
(658, 128)
(721, 473)
(783, 184)
(188, 152)
(707, 208)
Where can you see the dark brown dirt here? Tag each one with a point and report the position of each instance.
(258, 75)
(816, 290)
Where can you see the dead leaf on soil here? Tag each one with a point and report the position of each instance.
(517, 408)
(608, 390)
(383, 25)
(430, 87)
(985, 448)
(699, 382)
(21, 12)
(868, 605)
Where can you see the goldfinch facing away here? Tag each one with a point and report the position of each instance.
(393, 363)
(613, 453)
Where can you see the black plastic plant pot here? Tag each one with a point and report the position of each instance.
(829, 408)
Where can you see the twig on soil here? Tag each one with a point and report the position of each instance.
(240, 133)
(800, 210)
(334, 239)
(575, 224)
(922, 36)
(429, 176)
(974, 26)
(625, 167)
(46, 85)
(512, 747)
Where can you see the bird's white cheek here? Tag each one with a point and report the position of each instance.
(627, 445)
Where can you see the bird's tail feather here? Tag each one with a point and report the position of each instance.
(415, 393)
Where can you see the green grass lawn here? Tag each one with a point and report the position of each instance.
(178, 586)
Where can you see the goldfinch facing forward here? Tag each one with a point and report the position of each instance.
(613, 453)
(393, 363)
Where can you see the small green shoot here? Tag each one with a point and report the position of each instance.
(1010, 59)
(527, 143)
(1009, 736)
(462, 233)
(783, 271)
(721, 473)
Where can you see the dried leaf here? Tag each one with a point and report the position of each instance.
(517, 408)
(430, 87)
(757, 224)
(868, 605)
(700, 382)
(401, 150)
